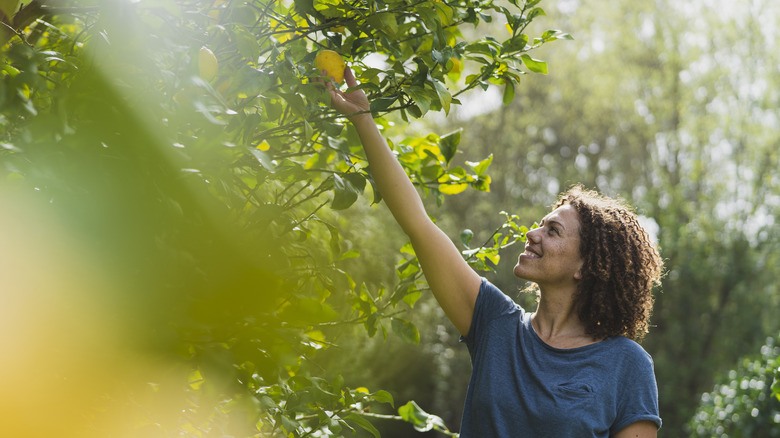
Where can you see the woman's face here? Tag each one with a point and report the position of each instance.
(552, 251)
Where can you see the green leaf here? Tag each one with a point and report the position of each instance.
(554, 34)
(365, 424)
(263, 159)
(304, 5)
(445, 12)
(344, 196)
(439, 57)
(420, 98)
(406, 330)
(308, 131)
(246, 43)
(429, 16)
(444, 96)
(448, 144)
(516, 44)
(415, 111)
(480, 167)
(401, 290)
(289, 424)
(413, 413)
(432, 171)
(535, 12)
(377, 196)
(491, 254)
(483, 48)
(383, 396)
(422, 421)
(509, 92)
(408, 268)
(351, 254)
(371, 324)
(485, 17)
(382, 103)
(482, 183)
(295, 102)
(332, 129)
(535, 65)
(478, 264)
(335, 247)
(384, 22)
(347, 189)
(411, 298)
(466, 236)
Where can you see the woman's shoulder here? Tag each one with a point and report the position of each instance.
(629, 352)
(492, 304)
(491, 308)
(490, 295)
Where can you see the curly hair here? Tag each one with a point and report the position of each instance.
(621, 266)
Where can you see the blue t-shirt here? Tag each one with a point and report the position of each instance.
(522, 387)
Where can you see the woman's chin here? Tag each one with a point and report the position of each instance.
(523, 274)
(518, 271)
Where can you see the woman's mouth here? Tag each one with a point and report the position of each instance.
(530, 253)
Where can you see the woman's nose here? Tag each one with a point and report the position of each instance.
(533, 235)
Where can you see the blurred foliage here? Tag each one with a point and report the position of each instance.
(182, 150)
(745, 402)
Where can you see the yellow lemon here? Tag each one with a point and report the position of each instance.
(332, 63)
(207, 64)
(457, 67)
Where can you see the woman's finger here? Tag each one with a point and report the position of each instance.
(350, 78)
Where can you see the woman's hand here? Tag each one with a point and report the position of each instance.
(351, 104)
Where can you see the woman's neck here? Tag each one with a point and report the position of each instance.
(557, 323)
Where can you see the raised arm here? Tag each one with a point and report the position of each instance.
(454, 284)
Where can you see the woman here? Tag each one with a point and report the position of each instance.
(569, 369)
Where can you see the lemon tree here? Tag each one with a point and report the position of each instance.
(191, 145)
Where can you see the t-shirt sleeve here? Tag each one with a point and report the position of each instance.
(491, 304)
(638, 395)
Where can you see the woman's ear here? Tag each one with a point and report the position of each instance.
(578, 272)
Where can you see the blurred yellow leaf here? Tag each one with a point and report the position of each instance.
(195, 379)
(316, 335)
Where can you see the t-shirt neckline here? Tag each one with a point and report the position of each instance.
(539, 339)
